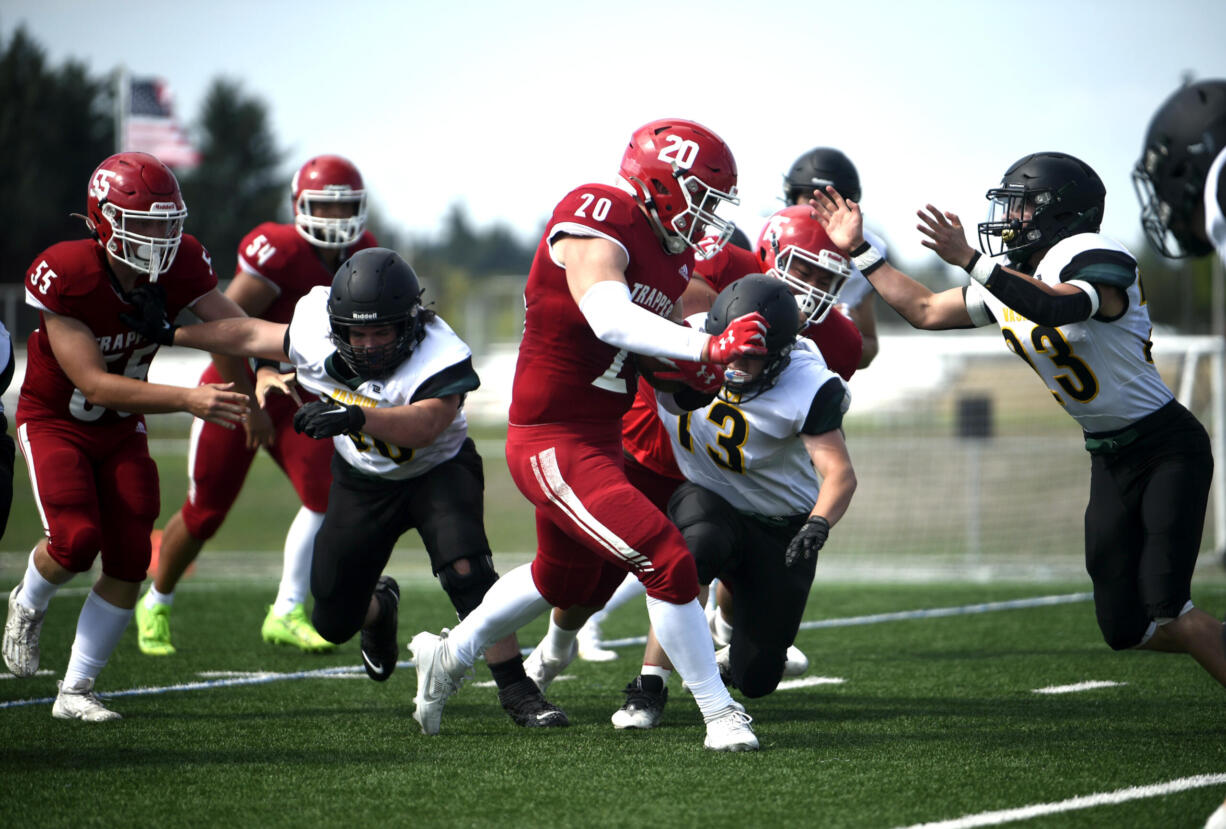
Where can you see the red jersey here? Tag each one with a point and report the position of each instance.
(71, 279)
(278, 255)
(564, 373)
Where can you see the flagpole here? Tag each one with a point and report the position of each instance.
(122, 91)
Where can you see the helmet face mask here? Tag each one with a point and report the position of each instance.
(794, 248)
(680, 173)
(329, 202)
(771, 298)
(1184, 137)
(136, 211)
(1042, 198)
(374, 289)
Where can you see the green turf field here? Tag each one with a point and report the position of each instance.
(931, 719)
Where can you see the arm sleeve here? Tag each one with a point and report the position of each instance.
(616, 320)
(827, 409)
(1026, 297)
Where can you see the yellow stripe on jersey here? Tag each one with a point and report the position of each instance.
(348, 398)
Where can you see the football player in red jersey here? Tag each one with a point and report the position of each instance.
(277, 265)
(79, 415)
(607, 275)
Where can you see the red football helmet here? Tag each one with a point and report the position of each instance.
(323, 181)
(680, 171)
(136, 211)
(792, 244)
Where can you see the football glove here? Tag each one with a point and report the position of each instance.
(327, 419)
(149, 314)
(807, 541)
(703, 377)
(745, 336)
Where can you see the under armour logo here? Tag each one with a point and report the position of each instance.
(706, 375)
(727, 340)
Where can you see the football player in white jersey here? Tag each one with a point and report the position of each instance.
(751, 509)
(391, 377)
(1180, 183)
(1070, 304)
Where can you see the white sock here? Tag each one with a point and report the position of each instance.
(656, 670)
(99, 628)
(296, 562)
(510, 603)
(684, 635)
(557, 642)
(36, 591)
(155, 597)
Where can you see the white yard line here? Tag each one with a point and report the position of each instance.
(1088, 685)
(1089, 801)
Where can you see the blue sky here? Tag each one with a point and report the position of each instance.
(506, 107)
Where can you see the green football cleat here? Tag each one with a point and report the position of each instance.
(153, 629)
(294, 628)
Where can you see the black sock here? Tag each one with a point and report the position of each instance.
(508, 672)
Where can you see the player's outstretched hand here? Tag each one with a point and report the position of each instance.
(745, 336)
(270, 381)
(839, 217)
(327, 419)
(945, 236)
(704, 377)
(216, 403)
(148, 317)
(808, 540)
(260, 428)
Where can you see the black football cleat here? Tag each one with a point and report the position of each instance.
(379, 648)
(527, 706)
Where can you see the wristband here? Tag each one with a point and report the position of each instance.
(867, 259)
(981, 268)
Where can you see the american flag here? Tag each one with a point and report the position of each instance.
(150, 125)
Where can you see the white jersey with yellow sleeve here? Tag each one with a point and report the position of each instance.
(1100, 370)
(750, 453)
(440, 354)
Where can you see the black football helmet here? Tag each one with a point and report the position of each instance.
(376, 286)
(771, 298)
(819, 167)
(1185, 135)
(1043, 198)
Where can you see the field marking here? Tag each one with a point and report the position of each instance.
(260, 678)
(1088, 685)
(808, 682)
(36, 673)
(1074, 803)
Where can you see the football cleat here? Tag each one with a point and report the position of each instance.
(379, 648)
(435, 684)
(729, 731)
(796, 663)
(590, 649)
(21, 631)
(543, 670)
(644, 706)
(294, 628)
(529, 708)
(77, 702)
(153, 629)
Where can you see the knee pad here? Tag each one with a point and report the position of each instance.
(137, 486)
(467, 590)
(202, 522)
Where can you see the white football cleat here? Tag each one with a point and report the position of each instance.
(542, 670)
(77, 702)
(729, 731)
(1217, 820)
(796, 662)
(643, 707)
(21, 632)
(590, 649)
(434, 684)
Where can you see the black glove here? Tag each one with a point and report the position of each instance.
(807, 541)
(149, 315)
(327, 419)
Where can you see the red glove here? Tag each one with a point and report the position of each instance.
(707, 378)
(745, 336)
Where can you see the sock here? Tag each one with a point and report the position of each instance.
(99, 628)
(36, 591)
(557, 642)
(656, 671)
(510, 603)
(684, 635)
(156, 597)
(296, 561)
(509, 672)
